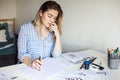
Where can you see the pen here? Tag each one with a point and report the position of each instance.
(112, 54)
(99, 67)
(100, 63)
(92, 59)
(14, 77)
(108, 50)
(117, 49)
(118, 55)
(82, 65)
(39, 58)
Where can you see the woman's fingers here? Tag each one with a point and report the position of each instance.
(39, 61)
(36, 64)
(52, 27)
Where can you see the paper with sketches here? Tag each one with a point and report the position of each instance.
(76, 57)
(85, 75)
(11, 75)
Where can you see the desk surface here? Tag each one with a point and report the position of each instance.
(18, 71)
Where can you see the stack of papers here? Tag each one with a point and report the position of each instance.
(76, 57)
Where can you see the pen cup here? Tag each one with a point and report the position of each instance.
(113, 58)
(113, 63)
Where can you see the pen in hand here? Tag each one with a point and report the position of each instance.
(36, 64)
(39, 58)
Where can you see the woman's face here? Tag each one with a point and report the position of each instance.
(48, 17)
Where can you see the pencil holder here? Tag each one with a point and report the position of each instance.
(113, 63)
(113, 58)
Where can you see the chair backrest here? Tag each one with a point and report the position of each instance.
(11, 25)
(10, 55)
(16, 49)
(9, 20)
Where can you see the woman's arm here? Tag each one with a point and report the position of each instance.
(36, 64)
(22, 43)
(57, 46)
(23, 54)
(27, 60)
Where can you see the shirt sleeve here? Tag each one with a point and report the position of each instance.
(22, 43)
(55, 54)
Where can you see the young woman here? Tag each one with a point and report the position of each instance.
(41, 37)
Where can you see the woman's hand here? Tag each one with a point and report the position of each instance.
(54, 28)
(36, 64)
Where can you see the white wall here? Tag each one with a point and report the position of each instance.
(26, 10)
(91, 24)
(7, 9)
(86, 24)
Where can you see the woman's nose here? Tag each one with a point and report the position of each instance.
(52, 20)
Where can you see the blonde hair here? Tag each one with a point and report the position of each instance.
(44, 7)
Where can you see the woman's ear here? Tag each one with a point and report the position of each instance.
(40, 12)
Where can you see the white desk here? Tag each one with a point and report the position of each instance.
(22, 74)
(112, 74)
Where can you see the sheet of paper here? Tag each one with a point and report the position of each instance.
(11, 75)
(76, 57)
(85, 75)
(50, 68)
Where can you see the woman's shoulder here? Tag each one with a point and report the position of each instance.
(28, 24)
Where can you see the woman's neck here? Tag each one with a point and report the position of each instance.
(44, 32)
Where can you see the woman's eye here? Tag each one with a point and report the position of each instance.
(50, 16)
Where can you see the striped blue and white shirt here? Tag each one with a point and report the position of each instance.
(30, 44)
